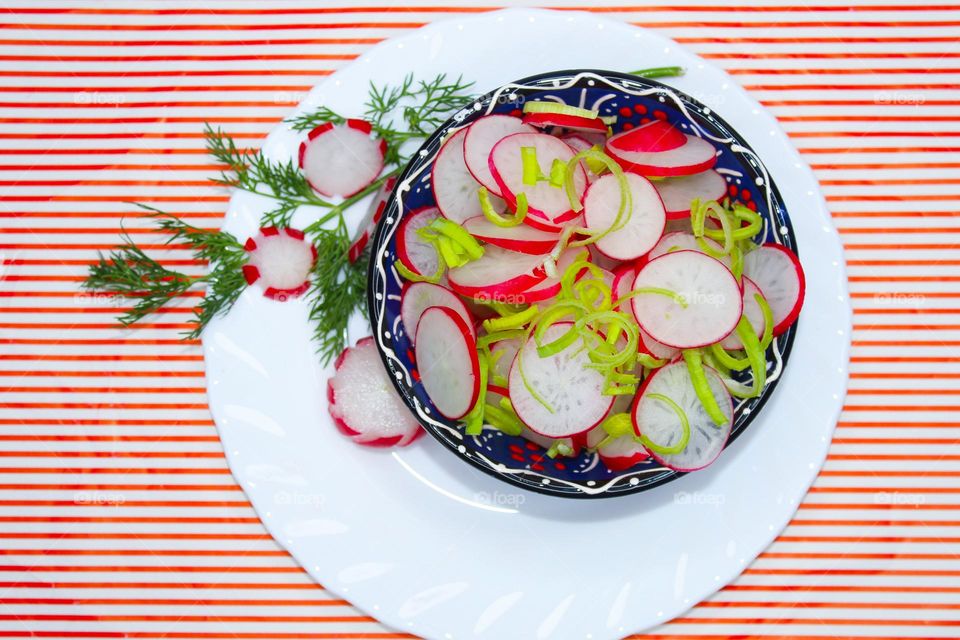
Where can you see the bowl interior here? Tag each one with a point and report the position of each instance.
(634, 101)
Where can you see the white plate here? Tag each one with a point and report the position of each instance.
(429, 545)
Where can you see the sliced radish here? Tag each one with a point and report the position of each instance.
(684, 241)
(711, 293)
(578, 142)
(543, 200)
(550, 286)
(571, 123)
(656, 349)
(659, 423)
(678, 193)
(417, 297)
(447, 361)
(753, 313)
(363, 402)
(341, 159)
(369, 223)
(620, 453)
(623, 277)
(454, 187)
(482, 135)
(521, 238)
(644, 224)
(414, 252)
(602, 260)
(693, 156)
(503, 352)
(498, 272)
(564, 381)
(777, 271)
(654, 137)
(550, 227)
(280, 260)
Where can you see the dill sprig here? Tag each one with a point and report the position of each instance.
(338, 290)
(129, 273)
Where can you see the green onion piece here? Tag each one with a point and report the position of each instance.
(502, 420)
(659, 72)
(660, 291)
(623, 378)
(729, 362)
(543, 106)
(473, 421)
(512, 321)
(649, 362)
(407, 274)
(758, 363)
(449, 253)
(736, 262)
(487, 339)
(558, 345)
(460, 236)
(557, 173)
(502, 221)
(626, 201)
(719, 213)
(593, 164)
(618, 425)
(767, 337)
(698, 377)
(531, 168)
(684, 426)
(559, 448)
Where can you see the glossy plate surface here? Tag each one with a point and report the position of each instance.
(429, 545)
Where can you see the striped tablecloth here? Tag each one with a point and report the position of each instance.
(118, 515)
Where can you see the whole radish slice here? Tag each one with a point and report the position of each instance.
(522, 238)
(777, 271)
(657, 420)
(564, 381)
(678, 193)
(363, 402)
(712, 300)
(280, 261)
(417, 297)
(681, 241)
(369, 223)
(447, 361)
(414, 252)
(656, 155)
(543, 200)
(341, 159)
(640, 228)
(454, 187)
(498, 272)
(753, 313)
(482, 135)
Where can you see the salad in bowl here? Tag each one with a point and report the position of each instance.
(584, 283)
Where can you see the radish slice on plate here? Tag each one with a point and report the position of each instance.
(341, 159)
(550, 286)
(369, 223)
(656, 155)
(417, 297)
(543, 200)
(618, 454)
(447, 361)
(777, 271)
(683, 241)
(363, 402)
(711, 300)
(521, 238)
(414, 252)
(571, 389)
(280, 260)
(656, 349)
(498, 272)
(454, 187)
(753, 313)
(482, 135)
(640, 228)
(572, 123)
(658, 422)
(678, 193)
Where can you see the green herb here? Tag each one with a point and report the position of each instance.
(128, 272)
(659, 72)
(338, 290)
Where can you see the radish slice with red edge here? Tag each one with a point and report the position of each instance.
(777, 271)
(692, 156)
(623, 277)
(497, 273)
(656, 349)
(447, 361)
(370, 221)
(363, 402)
(521, 238)
(712, 300)
(752, 312)
(454, 187)
(414, 252)
(417, 297)
(685, 241)
(657, 419)
(550, 286)
(679, 193)
(618, 454)
(543, 200)
(341, 159)
(280, 261)
(641, 228)
(482, 135)
(571, 123)
(654, 137)
(563, 380)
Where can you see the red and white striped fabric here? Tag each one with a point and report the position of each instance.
(118, 515)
